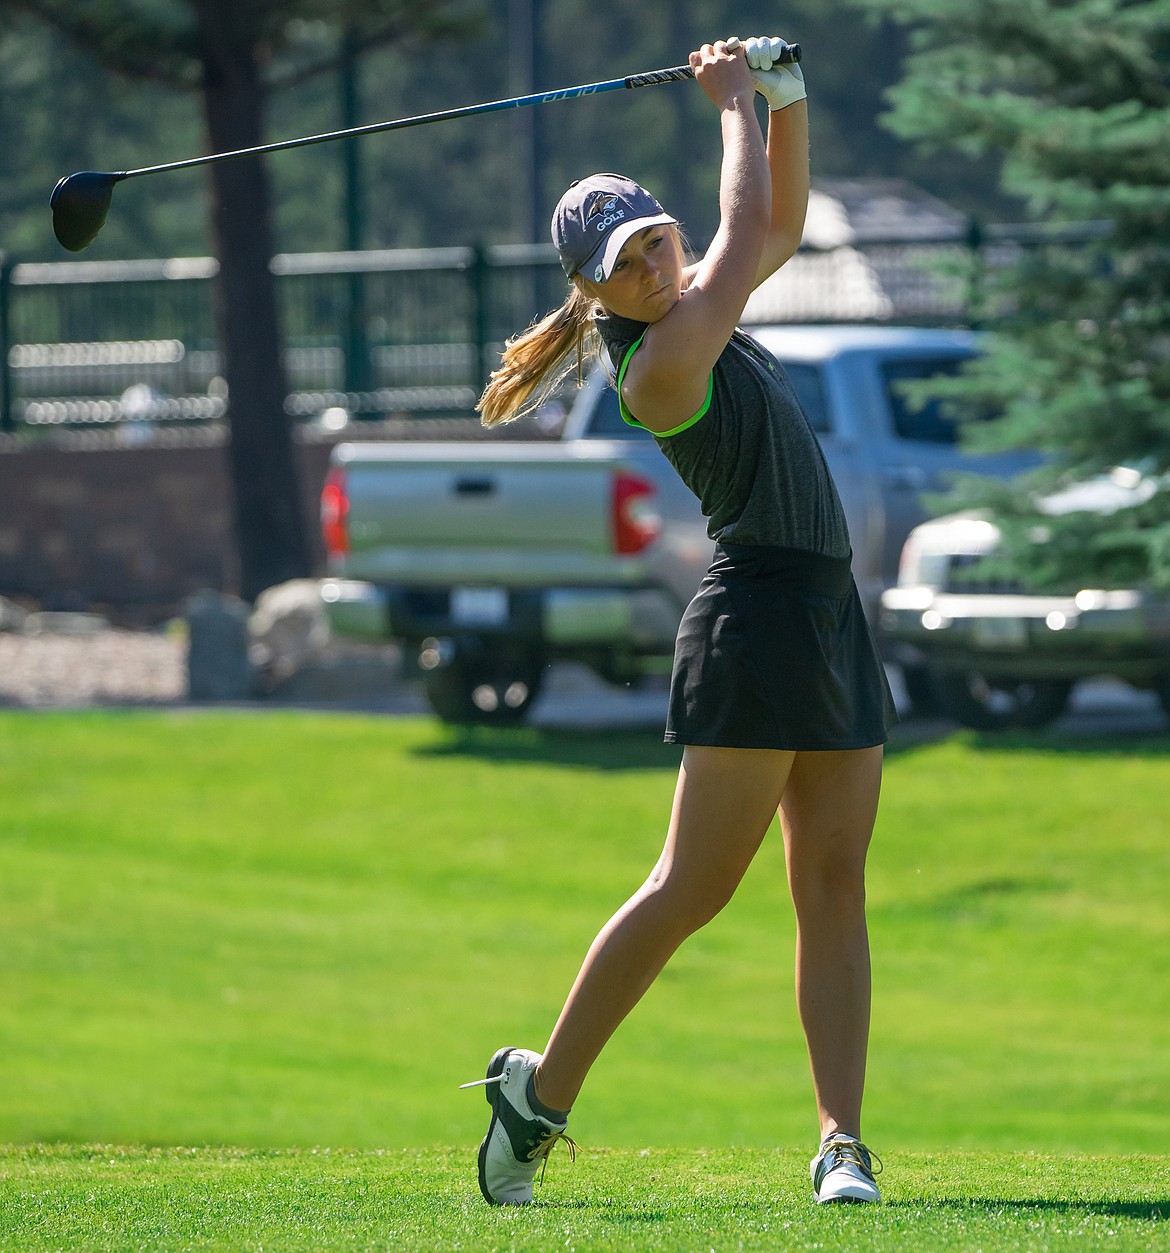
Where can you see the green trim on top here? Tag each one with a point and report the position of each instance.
(629, 418)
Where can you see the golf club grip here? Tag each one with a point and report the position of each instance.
(790, 56)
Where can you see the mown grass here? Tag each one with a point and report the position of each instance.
(289, 931)
(101, 1198)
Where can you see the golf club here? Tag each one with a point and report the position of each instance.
(81, 201)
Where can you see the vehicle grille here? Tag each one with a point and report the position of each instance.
(970, 575)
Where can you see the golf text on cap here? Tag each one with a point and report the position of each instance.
(607, 206)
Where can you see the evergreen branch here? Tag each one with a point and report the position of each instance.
(156, 45)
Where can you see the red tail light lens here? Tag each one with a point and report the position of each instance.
(636, 523)
(335, 514)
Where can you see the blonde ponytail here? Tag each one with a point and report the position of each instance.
(534, 362)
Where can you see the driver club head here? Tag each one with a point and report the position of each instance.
(80, 203)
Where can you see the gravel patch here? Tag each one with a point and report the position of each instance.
(102, 668)
(76, 661)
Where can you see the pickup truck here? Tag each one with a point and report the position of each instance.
(996, 656)
(488, 561)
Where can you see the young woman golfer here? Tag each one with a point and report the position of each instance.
(777, 694)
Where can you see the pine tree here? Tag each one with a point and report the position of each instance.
(1076, 96)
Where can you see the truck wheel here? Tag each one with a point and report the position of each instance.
(997, 704)
(486, 690)
(1162, 687)
(921, 690)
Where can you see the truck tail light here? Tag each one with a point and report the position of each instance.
(335, 514)
(636, 523)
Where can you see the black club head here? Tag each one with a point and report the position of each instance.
(80, 203)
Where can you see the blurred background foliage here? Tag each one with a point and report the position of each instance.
(469, 181)
(1074, 96)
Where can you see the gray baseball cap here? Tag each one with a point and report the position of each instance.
(594, 219)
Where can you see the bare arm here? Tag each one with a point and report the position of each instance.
(782, 85)
(667, 379)
(788, 162)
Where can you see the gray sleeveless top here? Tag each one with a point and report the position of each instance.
(749, 454)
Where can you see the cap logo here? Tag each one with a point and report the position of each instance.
(603, 213)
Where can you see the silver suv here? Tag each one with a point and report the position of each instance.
(993, 656)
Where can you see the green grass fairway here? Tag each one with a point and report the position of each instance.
(290, 931)
(619, 1201)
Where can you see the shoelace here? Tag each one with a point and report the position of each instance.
(544, 1142)
(854, 1153)
(545, 1147)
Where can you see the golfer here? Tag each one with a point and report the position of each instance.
(777, 695)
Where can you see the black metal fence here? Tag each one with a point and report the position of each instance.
(387, 334)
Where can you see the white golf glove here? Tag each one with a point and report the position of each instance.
(780, 85)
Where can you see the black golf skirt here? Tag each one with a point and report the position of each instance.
(775, 652)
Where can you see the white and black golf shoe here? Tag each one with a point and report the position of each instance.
(843, 1171)
(518, 1139)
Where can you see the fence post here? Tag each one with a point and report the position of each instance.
(358, 381)
(479, 313)
(6, 267)
(974, 298)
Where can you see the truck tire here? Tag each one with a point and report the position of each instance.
(1162, 687)
(921, 690)
(486, 689)
(998, 704)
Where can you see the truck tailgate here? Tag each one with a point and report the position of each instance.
(478, 513)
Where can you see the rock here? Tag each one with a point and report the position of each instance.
(12, 617)
(54, 622)
(288, 627)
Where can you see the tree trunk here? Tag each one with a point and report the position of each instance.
(269, 522)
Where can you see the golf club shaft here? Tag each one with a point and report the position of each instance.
(647, 79)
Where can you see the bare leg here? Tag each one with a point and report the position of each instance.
(827, 814)
(723, 805)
